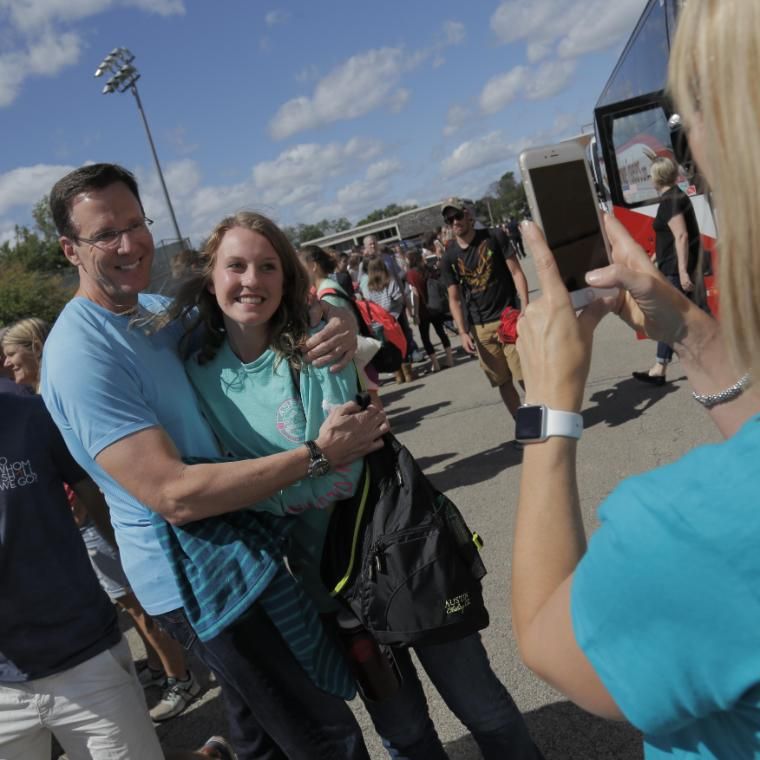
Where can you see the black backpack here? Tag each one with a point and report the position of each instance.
(400, 555)
(388, 358)
(437, 296)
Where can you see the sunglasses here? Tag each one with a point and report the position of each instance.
(457, 216)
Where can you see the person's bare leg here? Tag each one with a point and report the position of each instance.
(169, 651)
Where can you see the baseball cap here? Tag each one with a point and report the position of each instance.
(458, 204)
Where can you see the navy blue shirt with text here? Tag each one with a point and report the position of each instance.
(53, 613)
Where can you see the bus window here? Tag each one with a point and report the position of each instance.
(637, 139)
(643, 64)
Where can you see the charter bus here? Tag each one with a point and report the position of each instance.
(635, 122)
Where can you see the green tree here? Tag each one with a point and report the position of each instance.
(383, 213)
(507, 197)
(37, 249)
(28, 293)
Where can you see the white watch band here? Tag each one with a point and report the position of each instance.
(564, 424)
(536, 423)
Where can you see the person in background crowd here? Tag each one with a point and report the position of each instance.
(22, 347)
(678, 251)
(380, 288)
(166, 666)
(656, 621)
(7, 383)
(65, 668)
(515, 236)
(354, 268)
(319, 265)
(105, 379)
(480, 267)
(431, 247)
(399, 257)
(417, 277)
(341, 274)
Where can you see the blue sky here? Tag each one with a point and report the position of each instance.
(303, 110)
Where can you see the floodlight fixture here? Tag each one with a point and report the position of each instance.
(125, 76)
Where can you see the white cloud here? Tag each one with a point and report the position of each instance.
(309, 164)
(45, 56)
(359, 85)
(356, 87)
(361, 194)
(538, 50)
(549, 79)
(456, 118)
(399, 99)
(36, 41)
(25, 185)
(276, 17)
(492, 148)
(454, 32)
(502, 89)
(522, 81)
(7, 232)
(382, 169)
(573, 28)
(308, 74)
(28, 15)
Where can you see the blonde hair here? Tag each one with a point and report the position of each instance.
(714, 70)
(29, 334)
(663, 172)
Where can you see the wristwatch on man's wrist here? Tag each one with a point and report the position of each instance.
(318, 464)
(535, 423)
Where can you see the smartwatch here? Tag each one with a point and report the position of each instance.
(535, 423)
(318, 464)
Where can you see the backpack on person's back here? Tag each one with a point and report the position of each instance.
(437, 294)
(375, 322)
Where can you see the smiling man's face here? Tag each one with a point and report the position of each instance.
(110, 277)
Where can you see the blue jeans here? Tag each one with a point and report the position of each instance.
(664, 351)
(461, 673)
(274, 710)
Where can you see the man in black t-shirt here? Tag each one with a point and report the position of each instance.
(479, 268)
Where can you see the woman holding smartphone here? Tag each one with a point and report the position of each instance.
(657, 620)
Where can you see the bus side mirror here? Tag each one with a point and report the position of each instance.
(680, 145)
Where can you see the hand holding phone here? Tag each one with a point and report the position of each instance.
(563, 202)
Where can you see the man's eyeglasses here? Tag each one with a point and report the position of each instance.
(457, 216)
(110, 239)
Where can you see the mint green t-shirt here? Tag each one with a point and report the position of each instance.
(255, 411)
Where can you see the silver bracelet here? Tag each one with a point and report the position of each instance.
(709, 400)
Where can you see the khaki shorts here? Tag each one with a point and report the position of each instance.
(500, 362)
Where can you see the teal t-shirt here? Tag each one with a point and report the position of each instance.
(255, 411)
(666, 602)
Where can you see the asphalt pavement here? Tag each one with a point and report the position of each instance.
(460, 433)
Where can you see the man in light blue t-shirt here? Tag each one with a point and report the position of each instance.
(120, 397)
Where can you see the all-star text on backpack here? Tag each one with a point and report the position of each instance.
(399, 554)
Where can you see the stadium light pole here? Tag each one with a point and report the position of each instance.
(125, 76)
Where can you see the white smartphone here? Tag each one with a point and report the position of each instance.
(563, 202)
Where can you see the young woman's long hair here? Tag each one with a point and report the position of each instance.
(325, 261)
(378, 276)
(197, 307)
(714, 70)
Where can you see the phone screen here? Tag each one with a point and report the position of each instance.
(568, 214)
